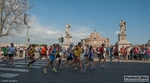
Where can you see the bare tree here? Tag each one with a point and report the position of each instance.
(12, 16)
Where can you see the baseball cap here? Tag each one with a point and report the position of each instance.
(71, 45)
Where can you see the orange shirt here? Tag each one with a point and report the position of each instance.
(122, 50)
(43, 50)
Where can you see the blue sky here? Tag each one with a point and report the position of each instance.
(89, 15)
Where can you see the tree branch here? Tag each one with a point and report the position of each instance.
(8, 13)
(12, 16)
(2, 1)
(10, 26)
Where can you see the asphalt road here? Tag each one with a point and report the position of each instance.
(113, 73)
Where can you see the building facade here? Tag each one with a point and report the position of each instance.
(95, 40)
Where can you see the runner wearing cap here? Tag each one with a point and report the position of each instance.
(70, 56)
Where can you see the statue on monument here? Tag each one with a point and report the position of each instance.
(122, 26)
(68, 26)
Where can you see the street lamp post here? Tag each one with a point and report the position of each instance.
(27, 34)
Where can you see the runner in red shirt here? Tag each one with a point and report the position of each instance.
(101, 56)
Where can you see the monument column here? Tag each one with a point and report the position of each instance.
(122, 37)
(122, 41)
(68, 37)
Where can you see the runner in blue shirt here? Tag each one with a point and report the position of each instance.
(70, 56)
(11, 52)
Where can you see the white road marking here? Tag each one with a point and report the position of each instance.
(14, 69)
(27, 63)
(8, 75)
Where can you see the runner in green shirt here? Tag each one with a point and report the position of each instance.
(5, 53)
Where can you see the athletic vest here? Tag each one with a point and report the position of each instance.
(43, 50)
(101, 50)
(87, 51)
(78, 51)
(69, 52)
(54, 51)
(90, 52)
(116, 52)
(32, 51)
(5, 49)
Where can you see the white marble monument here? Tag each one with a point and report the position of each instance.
(68, 37)
(122, 35)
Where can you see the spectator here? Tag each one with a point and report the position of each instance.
(108, 51)
(126, 53)
(122, 52)
(132, 53)
(142, 53)
(147, 54)
(136, 51)
(21, 52)
(111, 53)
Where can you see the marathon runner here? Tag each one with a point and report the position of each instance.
(31, 54)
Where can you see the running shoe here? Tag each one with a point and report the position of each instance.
(61, 66)
(81, 71)
(50, 65)
(3, 60)
(44, 70)
(13, 65)
(25, 61)
(54, 70)
(85, 69)
(37, 59)
(91, 63)
(95, 67)
(29, 65)
(92, 68)
(67, 68)
(102, 66)
(119, 62)
(75, 68)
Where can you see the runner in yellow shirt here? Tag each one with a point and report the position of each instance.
(77, 58)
